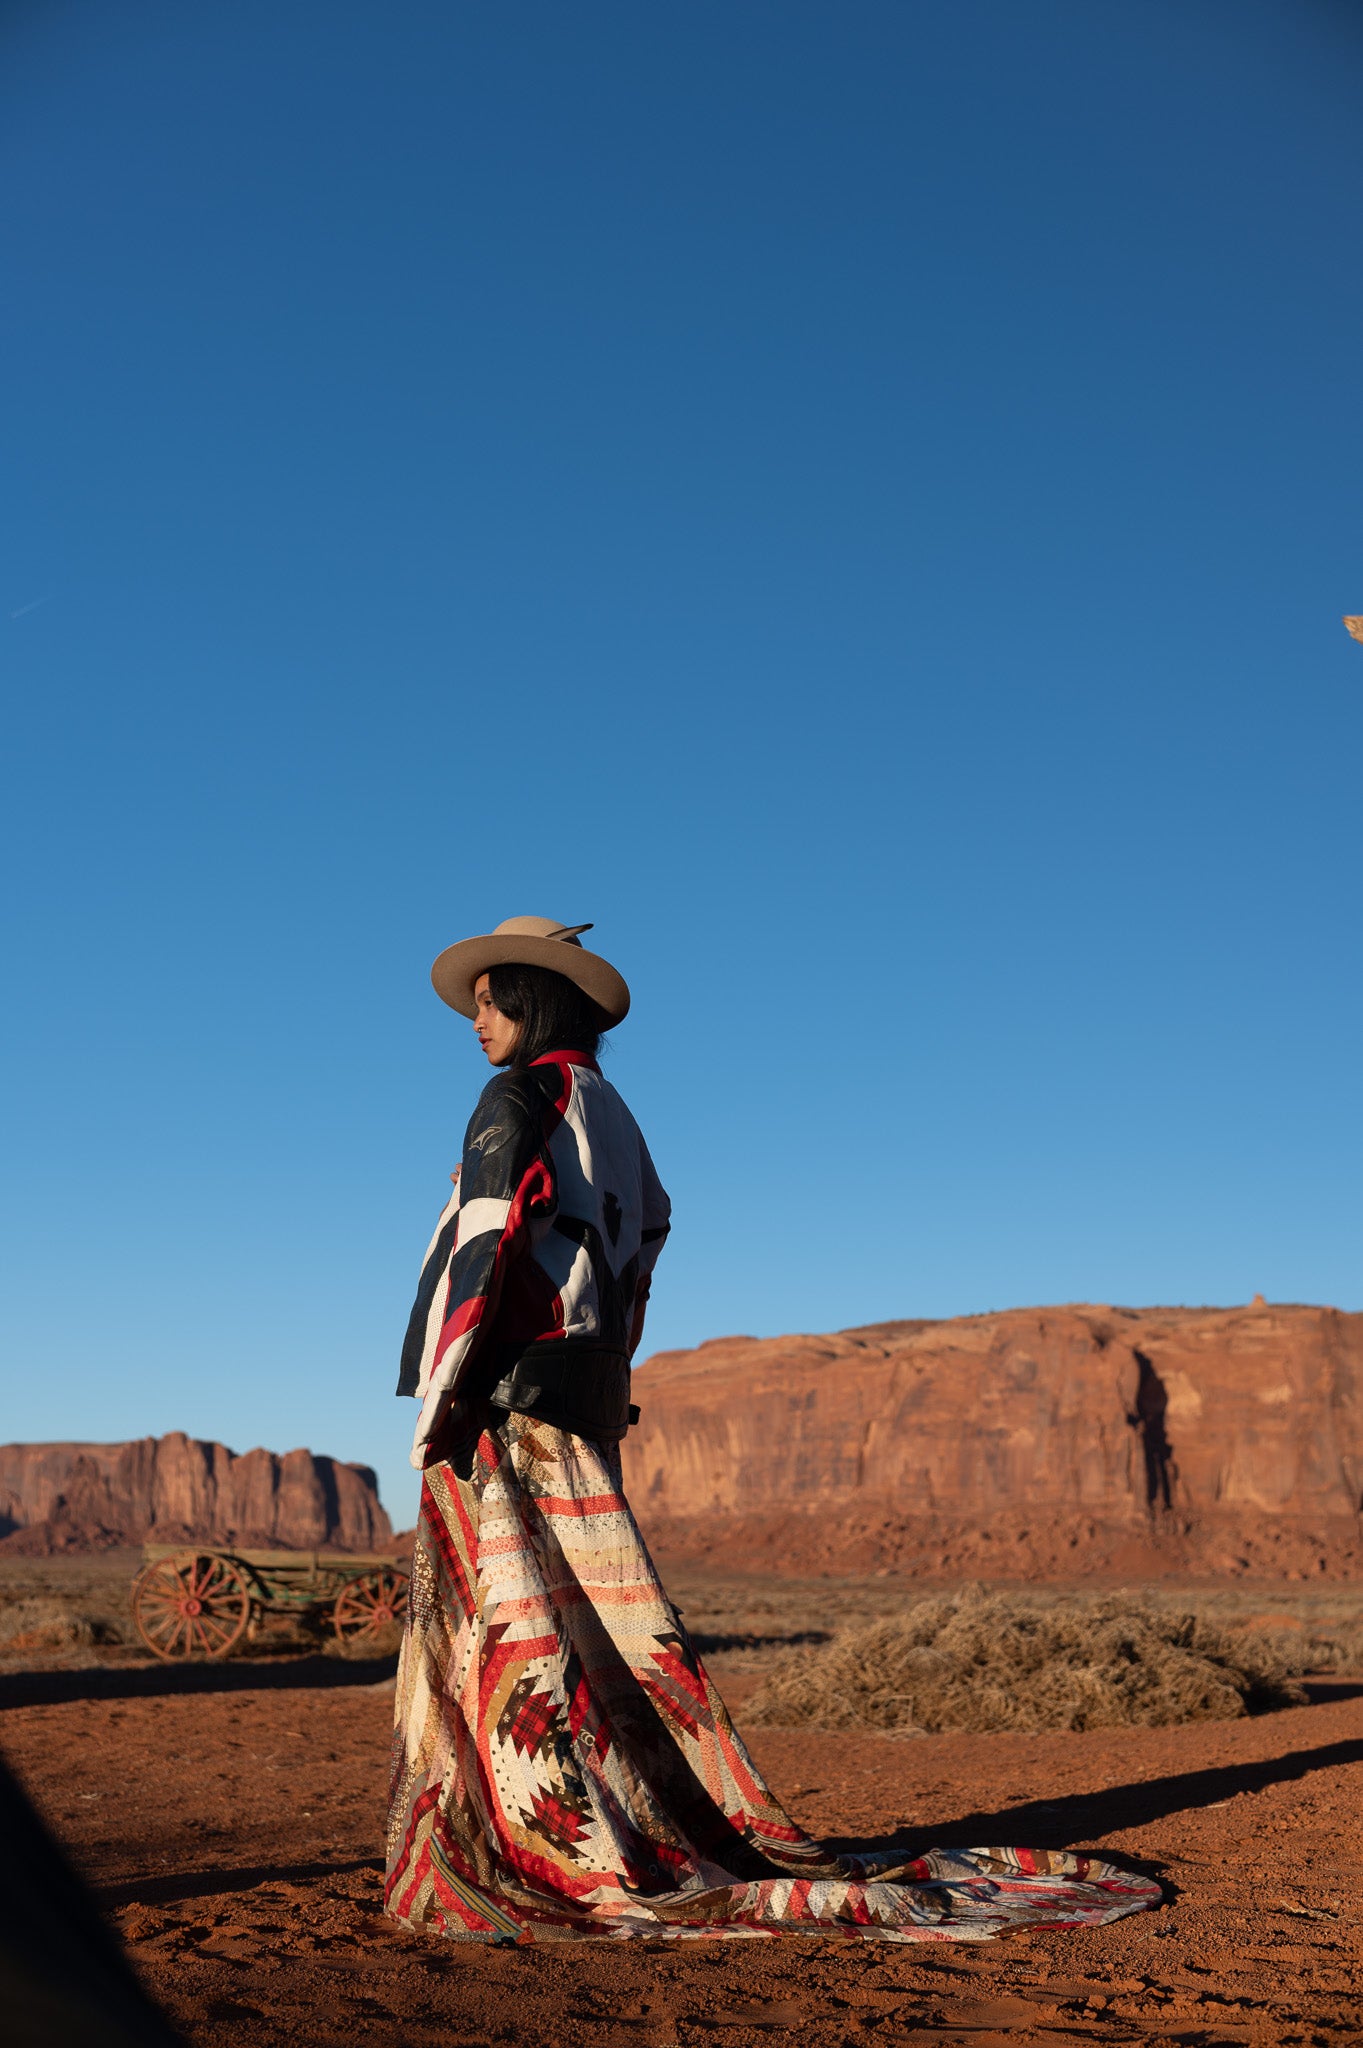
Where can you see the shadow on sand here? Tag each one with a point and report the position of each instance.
(202, 1884)
(711, 1644)
(148, 1681)
(1088, 1816)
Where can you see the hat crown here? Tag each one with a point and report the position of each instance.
(539, 928)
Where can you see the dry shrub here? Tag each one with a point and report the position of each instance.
(38, 1627)
(1316, 1643)
(1333, 1646)
(979, 1661)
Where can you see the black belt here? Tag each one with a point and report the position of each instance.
(572, 1383)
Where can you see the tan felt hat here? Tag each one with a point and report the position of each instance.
(529, 942)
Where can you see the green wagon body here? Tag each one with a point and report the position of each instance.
(203, 1600)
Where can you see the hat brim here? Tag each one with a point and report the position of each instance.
(459, 966)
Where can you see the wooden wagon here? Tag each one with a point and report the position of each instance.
(203, 1601)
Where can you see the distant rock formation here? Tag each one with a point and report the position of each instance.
(59, 1497)
(1054, 1441)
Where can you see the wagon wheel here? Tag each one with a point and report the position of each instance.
(369, 1608)
(197, 1605)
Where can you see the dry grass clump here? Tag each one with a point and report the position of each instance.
(1313, 1644)
(40, 1626)
(979, 1661)
(1334, 1646)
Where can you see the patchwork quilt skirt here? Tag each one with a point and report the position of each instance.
(563, 1767)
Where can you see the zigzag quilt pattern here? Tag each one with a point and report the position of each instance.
(563, 1767)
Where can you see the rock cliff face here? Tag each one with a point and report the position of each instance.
(56, 1497)
(1059, 1440)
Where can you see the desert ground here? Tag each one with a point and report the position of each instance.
(229, 1817)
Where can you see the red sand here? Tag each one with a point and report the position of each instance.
(234, 1836)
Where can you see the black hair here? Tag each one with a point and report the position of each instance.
(554, 1013)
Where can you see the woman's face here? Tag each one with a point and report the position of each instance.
(496, 1034)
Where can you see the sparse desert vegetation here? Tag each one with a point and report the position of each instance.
(978, 1661)
(38, 1626)
(68, 1610)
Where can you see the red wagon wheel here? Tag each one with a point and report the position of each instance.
(369, 1608)
(197, 1605)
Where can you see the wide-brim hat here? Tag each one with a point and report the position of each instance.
(529, 942)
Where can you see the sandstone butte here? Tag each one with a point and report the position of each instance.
(58, 1497)
(1053, 1442)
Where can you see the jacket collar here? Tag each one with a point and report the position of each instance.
(566, 1058)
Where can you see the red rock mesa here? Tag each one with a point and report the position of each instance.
(56, 1497)
(1053, 1441)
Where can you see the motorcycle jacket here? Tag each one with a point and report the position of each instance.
(541, 1258)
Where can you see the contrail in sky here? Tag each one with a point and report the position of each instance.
(32, 605)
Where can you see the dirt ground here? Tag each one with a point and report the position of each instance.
(229, 1819)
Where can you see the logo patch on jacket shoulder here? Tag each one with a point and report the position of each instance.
(613, 1214)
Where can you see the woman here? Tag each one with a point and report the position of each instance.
(562, 1765)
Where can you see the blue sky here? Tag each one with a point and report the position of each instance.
(857, 501)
